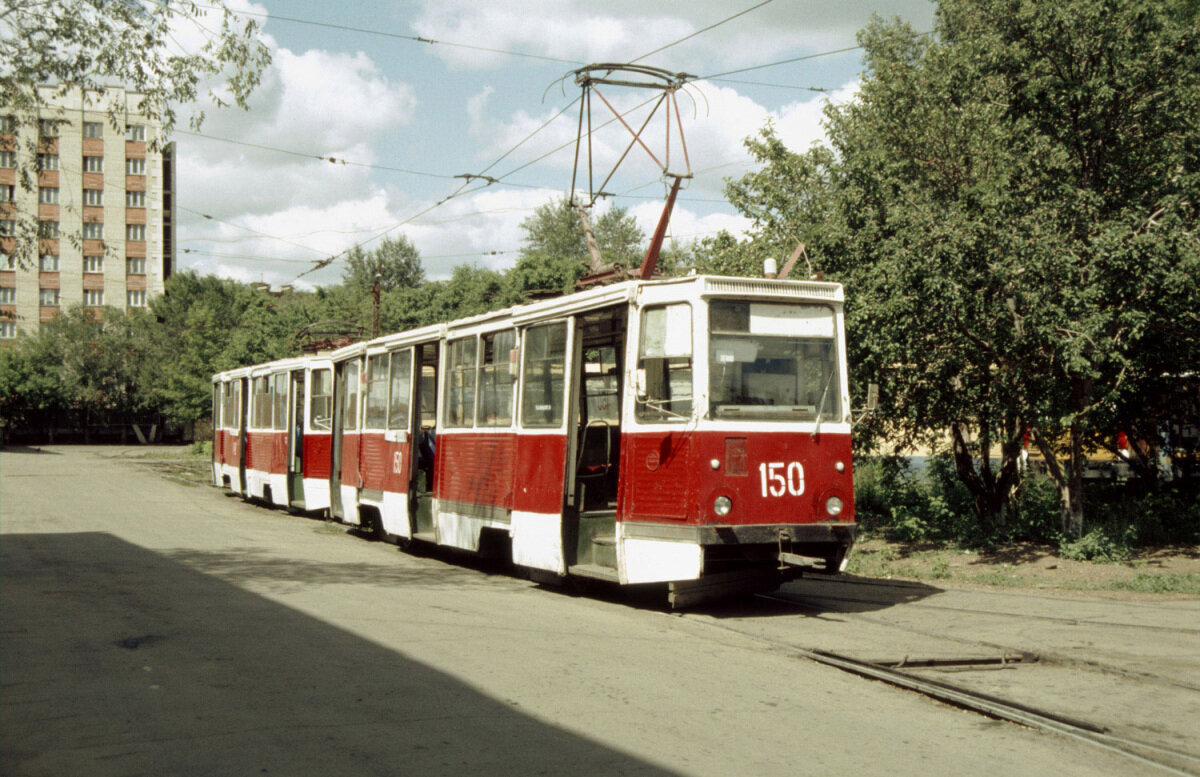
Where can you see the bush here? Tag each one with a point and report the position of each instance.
(1036, 511)
(932, 505)
(1096, 545)
(201, 448)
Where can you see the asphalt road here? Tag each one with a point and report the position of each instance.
(152, 627)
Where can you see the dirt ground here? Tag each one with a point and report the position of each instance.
(1147, 572)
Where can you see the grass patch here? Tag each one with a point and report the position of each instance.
(1156, 584)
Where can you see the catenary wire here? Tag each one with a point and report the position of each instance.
(703, 30)
(399, 36)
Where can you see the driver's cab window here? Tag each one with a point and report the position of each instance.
(665, 364)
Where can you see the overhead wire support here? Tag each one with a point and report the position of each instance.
(637, 77)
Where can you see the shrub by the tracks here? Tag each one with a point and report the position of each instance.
(908, 500)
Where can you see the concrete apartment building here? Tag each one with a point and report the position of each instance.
(103, 199)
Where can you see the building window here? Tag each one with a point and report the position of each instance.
(7, 192)
(48, 195)
(93, 298)
(8, 160)
(135, 166)
(8, 125)
(135, 298)
(47, 161)
(8, 295)
(135, 265)
(49, 297)
(8, 262)
(136, 132)
(48, 262)
(93, 197)
(48, 128)
(7, 227)
(135, 199)
(48, 229)
(135, 232)
(93, 164)
(93, 129)
(93, 264)
(8, 330)
(93, 230)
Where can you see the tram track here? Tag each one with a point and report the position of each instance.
(1043, 656)
(1162, 759)
(1071, 621)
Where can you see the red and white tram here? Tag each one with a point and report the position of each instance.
(229, 429)
(269, 441)
(693, 431)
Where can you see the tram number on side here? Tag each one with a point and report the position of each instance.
(781, 477)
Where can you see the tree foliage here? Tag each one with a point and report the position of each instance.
(555, 252)
(91, 44)
(1012, 203)
(395, 262)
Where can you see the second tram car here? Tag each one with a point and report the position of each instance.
(691, 431)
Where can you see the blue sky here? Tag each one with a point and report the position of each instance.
(404, 117)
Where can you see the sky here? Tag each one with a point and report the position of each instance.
(358, 130)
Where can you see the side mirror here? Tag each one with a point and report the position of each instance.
(872, 397)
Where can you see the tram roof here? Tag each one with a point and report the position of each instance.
(570, 304)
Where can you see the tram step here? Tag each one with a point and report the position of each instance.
(604, 550)
(594, 571)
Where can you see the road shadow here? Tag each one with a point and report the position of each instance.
(27, 450)
(119, 660)
(254, 565)
(821, 596)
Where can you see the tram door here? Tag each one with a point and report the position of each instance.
(295, 467)
(335, 464)
(424, 437)
(243, 412)
(594, 452)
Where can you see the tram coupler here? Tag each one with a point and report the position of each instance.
(793, 563)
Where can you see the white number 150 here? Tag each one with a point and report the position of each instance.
(780, 477)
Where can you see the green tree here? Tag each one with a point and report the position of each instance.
(1012, 204)
(394, 261)
(554, 238)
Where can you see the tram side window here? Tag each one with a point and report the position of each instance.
(217, 407)
(545, 365)
(665, 364)
(261, 403)
(377, 392)
(350, 398)
(497, 378)
(280, 401)
(229, 408)
(320, 403)
(460, 382)
(401, 387)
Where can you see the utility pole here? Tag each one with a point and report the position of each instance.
(375, 296)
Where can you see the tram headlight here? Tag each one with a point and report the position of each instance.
(833, 505)
(722, 505)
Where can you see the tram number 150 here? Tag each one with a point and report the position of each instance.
(781, 477)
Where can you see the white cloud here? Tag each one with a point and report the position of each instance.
(314, 104)
(715, 137)
(351, 106)
(621, 30)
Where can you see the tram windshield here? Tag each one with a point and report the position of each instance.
(773, 361)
